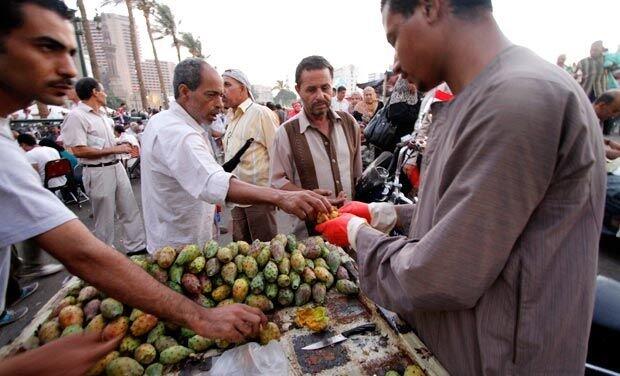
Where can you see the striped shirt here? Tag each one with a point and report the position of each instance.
(594, 79)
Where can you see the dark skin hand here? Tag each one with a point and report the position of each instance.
(337, 202)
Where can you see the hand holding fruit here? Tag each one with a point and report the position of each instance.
(233, 323)
(335, 230)
(303, 204)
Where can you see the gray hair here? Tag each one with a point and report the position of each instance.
(187, 73)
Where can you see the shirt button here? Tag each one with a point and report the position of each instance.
(333, 161)
(337, 181)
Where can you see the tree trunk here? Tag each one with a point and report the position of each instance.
(88, 36)
(160, 75)
(177, 44)
(136, 54)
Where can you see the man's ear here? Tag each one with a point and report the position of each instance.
(298, 89)
(433, 10)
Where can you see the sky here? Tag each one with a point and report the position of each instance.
(266, 39)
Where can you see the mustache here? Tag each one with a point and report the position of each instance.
(63, 81)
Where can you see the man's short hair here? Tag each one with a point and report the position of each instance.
(607, 97)
(463, 8)
(312, 63)
(278, 106)
(341, 89)
(26, 139)
(85, 86)
(187, 73)
(119, 129)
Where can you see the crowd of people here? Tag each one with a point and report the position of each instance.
(501, 244)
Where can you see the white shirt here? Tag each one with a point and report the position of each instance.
(127, 139)
(85, 127)
(28, 209)
(340, 105)
(40, 155)
(180, 181)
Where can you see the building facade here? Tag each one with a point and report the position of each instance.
(151, 81)
(346, 76)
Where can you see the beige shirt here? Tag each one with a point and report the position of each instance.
(85, 127)
(251, 120)
(497, 273)
(283, 168)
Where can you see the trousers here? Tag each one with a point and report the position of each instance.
(254, 222)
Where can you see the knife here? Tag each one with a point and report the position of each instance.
(341, 337)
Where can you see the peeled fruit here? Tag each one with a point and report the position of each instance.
(268, 333)
(315, 319)
(96, 325)
(259, 301)
(210, 249)
(347, 287)
(165, 257)
(188, 254)
(174, 354)
(49, 331)
(87, 293)
(115, 329)
(72, 329)
(91, 309)
(111, 308)
(143, 325)
(100, 366)
(145, 354)
(199, 343)
(191, 283)
(70, 315)
(164, 342)
(124, 366)
(128, 345)
(221, 293)
(197, 265)
(324, 217)
(240, 290)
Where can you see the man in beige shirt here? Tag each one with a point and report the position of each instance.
(318, 149)
(88, 132)
(249, 120)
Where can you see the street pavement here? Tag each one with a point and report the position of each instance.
(609, 265)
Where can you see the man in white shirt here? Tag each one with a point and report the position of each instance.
(38, 156)
(181, 181)
(339, 102)
(36, 63)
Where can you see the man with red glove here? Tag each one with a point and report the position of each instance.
(498, 270)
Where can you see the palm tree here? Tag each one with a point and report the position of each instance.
(147, 7)
(193, 44)
(167, 26)
(134, 47)
(88, 36)
(280, 85)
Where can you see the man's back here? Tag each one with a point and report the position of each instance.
(40, 156)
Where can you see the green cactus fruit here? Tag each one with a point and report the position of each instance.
(280, 238)
(284, 266)
(188, 254)
(239, 262)
(100, 366)
(213, 267)
(135, 313)
(165, 257)
(72, 329)
(255, 248)
(91, 309)
(271, 291)
(259, 301)
(225, 302)
(187, 333)
(140, 260)
(333, 261)
(295, 280)
(225, 255)
(210, 249)
(199, 343)
(217, 281)
(49, 331)
(174, 354)
(309, 276)
(309, 264)
(240, 290)
(319, 291)
(205, 284)
(270, 272)
(234, 248)
(197, 265)
(324, 252)
(129, 344)
(65, 302)
(291, 244)
(229, 273)
(124, 366)
(312, 249)
(155, 369)
(277, 251)
(175, 286)
(175, 273)
(284, 280)
(244, 248)
(116, 328)
(145, 354)
(342, 273)
(250, 266)
(257, 285)
(320, 262)
(269, 333)
(156, 332)
(322, 274)
(95, 325)
(221, 344)
(204, 301)
(298, 262)
(221, 293)
(87, 293)
(164, 342)
(285, 297)
(263, 257)
(302, 295)
(347, 287)
(392, 373)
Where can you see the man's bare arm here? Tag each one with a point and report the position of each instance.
(92, 153)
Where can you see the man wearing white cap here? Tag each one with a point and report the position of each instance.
(250, 120)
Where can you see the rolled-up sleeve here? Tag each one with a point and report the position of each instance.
(191, 163)
(73, 131)
(281, 163)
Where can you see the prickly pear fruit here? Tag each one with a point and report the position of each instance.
(140, 260)
(302, 295)
(312, 249)
(87, 293)
(135, 313)
(49, 331)
(145, 354)
(187, 333)
(124, 366)
(240, 290)
(91, 309)
(221, 293)
(234, 248)
(298, 263)
(197, 265)
(322, 274)
(95, 325)
(413, 370)
(70, 315)
(67, 301)
(72, 329)
(280, 238)
(342, 273)
(157, 272)
(225, 255)
(155, 369)
(128, 345)
(174, 354)
(191, 283)
(239, 262)
(188, 254)
(111, 308)
(229, 273)
(204, 301)
(346, 287)
(333, 261)
(285, 297)
(320, 262)
(226, 302)
(116, 328)
(175, 273)
(143, 325)
(218, 281)
(259, 301)
(165, 257)
(309, 276)
(277, 251)
(258, 284)
(175, 286)
(271, 291)
(205, 284)
(213, 267)
(301, 247)
(284, 267)
(319, 290)
(295, 280)
(100, 366)
(164, 342)
(263, 257)
(284, 280)
(309, 264)
(250, 266)
(156, 332)
(268, 333)
(291, 243)
(271, 272)
(391, 373)
(199, 344)
(244, 248)
(210, 249)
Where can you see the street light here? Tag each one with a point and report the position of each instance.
(79, 31)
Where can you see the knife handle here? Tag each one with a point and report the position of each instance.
(359, 330)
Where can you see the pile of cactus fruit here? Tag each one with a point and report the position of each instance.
(281, 273)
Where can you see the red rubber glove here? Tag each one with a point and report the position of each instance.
(335, 230)
(358, 209)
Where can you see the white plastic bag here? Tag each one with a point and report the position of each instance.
(251, 359)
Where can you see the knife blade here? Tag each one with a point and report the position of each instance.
(341, 337)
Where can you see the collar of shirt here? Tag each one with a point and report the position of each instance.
(86, 108)
(304, 122)
(5, 129)
(178, 110)
(243, 108)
